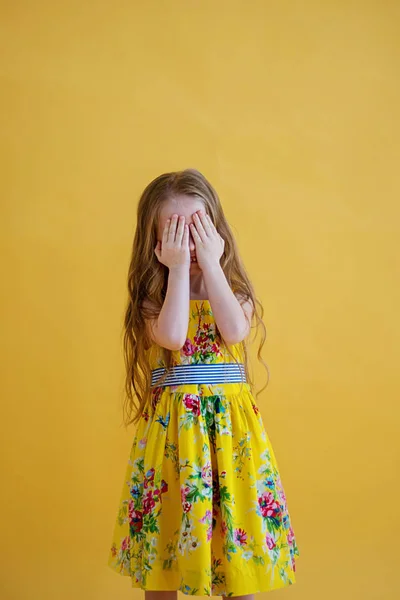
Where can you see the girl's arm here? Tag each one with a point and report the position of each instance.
(169, 330)
(232, 318)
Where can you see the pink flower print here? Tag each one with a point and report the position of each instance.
(209, 533)
(192, 403)
(206, 474)
(281, 492)
(149, 478)
(114, 550)
(148, 502)
(188, 348)
(268, 505)
(164, 486)
(186, 506)
(223, 474)
(256, 409)
(125, 543)
(207, 517)
(290, 536)
(240, 537)
(135, 517)
(184, 493)
(282, 496)
(270, 541)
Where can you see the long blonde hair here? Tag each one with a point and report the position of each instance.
(147, 283)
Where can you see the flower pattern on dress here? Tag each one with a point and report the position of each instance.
(203, 509)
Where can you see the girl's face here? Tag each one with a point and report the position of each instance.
(181, 205)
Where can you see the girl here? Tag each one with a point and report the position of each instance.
(203, 509)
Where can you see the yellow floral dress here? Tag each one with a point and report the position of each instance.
(203, 508)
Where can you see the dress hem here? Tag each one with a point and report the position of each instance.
(241, 592)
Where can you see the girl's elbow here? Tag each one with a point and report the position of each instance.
(173, 344)
(236, 337)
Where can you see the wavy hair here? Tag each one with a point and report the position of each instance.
(147, 284)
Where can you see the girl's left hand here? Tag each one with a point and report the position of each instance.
(209, 244)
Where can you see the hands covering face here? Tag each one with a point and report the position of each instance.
(173, 251)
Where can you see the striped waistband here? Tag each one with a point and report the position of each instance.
(201, 373)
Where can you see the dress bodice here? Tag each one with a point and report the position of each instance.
(203, 341)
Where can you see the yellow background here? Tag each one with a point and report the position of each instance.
(291, 110)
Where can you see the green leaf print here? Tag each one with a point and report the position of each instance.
(194, 493)
(150, 523)
(241, 453)
(257, 558)
(283, 573)
(225, 496)
(217, 576)
(187, 420)
(273, 524)
(171, 452)
(170, 548)
(139, 466)
(226, 512)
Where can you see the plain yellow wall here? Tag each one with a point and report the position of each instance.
(291, 110)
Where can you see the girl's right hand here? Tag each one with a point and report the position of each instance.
(173, 251)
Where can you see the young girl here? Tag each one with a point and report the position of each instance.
(203, 509)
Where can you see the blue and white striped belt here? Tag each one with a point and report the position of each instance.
(201, 373)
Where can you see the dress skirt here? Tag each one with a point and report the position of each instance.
(202, 508)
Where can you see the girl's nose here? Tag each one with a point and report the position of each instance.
(192, 245)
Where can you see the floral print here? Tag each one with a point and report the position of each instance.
(203, 508)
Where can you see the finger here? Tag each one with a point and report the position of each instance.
(180, 230)
(199, 227)
(210, 223)
(195, 234)
(172, 228)
(166, 231)
(205, 221)
(185, 237)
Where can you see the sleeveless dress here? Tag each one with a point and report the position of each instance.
(202, 508)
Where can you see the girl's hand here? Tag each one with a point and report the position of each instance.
(173, 251)
(209, 244)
